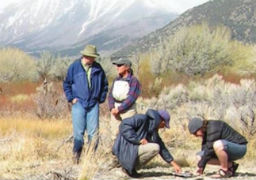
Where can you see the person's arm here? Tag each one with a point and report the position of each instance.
(176, 167)
(208, 154)
(213, 133)
(67, 85)
(134, 92)
(104, 87)
(166, 155)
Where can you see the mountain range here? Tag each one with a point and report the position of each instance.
(238, 15)
(66, 26)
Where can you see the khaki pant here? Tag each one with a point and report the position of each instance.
(115, 121)
(146, 152)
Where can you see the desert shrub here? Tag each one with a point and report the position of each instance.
(211, 99)
(52, 67)
(59, 70)
(50, 101)
(198, 49)
(244, 60)
(45, 65)
(16, 65)
(149, 83)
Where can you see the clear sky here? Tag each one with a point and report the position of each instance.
(177, 5)
(4, 3)
(183, 5)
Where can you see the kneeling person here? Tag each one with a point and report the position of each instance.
(221, 145)
(138, 141)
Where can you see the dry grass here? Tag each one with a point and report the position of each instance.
(33, 127)
(92, 162)
(33, 149)
(28, 143)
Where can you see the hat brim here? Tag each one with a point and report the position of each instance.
(167, 125)
(90, 55)
(116, 63)
(121, 63)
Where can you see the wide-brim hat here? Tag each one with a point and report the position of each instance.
(90, 50)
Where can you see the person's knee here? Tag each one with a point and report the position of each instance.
(218, 146)
(155, 149)
(199, 155)
(198, 158)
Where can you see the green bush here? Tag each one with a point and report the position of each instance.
(16, 65)
(198, 49)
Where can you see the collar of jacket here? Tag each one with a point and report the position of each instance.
(95, 66)
(128, 78)
(154, 119)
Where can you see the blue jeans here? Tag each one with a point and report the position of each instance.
(84, 119)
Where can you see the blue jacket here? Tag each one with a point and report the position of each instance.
(131, 131)
(75, 84)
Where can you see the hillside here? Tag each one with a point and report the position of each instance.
(66, 26)
(238, 15)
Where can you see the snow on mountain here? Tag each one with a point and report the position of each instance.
(40, 24)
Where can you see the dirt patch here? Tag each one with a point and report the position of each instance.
(164, 173)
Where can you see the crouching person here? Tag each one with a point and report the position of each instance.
(221, 145)
(138, 141)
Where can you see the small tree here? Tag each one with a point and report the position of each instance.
(50, 102)
(45, 65)
(196, 50)
(16, 65)
(59, 69)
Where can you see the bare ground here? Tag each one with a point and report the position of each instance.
(66, 170)
(164, 173)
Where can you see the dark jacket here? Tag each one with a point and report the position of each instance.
(217, 130)
(131, 131)
(75, 84)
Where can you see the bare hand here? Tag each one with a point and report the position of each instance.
(143, 141)
(176, 167)
(114, 111)
(74, 101)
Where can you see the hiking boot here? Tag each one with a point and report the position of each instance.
(134, 173)
(114, 163)
(76, 158)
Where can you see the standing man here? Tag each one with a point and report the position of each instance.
(123, 94)
(138, 141)
(85, 87)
